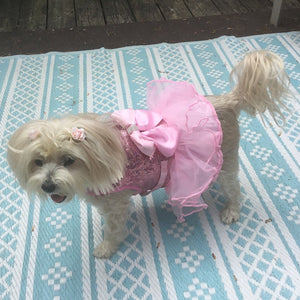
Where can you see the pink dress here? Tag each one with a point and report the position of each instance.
(181, 136)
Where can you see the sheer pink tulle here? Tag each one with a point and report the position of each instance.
(183, 128)
(198, 157)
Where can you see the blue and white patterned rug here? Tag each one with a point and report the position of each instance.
(46, 249)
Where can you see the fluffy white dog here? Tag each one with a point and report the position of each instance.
(84, 154)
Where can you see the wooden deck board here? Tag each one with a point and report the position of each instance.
(33, 15)
(117, 12)
(291, 4)
(145, 10)
(257, 5)
(174, 9)
(202, 8)
(145, 33)
(89, 13)
(227, 6)
(28, 15)
(9, 14)
(61, 14)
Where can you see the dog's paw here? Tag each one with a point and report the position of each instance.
(230, 215)
(105, 250)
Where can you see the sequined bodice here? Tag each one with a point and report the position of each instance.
(142, 173)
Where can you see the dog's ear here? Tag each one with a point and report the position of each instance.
(26, 134)
(99, 146)
(18, 152)
(34, 133)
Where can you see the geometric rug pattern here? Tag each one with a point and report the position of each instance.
(46, 249)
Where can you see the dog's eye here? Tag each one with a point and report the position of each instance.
(69, 161)
(38, 162)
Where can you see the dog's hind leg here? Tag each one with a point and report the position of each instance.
(232, 192)
(228, 177)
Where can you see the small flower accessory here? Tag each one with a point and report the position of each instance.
(78, 134)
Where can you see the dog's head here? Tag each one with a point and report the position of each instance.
(63, 157)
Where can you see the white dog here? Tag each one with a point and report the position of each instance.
(90, 155)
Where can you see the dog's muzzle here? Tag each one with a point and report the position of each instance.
(49, 187)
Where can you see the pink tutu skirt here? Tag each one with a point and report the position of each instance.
(198, 158)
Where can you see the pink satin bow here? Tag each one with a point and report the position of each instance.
(148, 131)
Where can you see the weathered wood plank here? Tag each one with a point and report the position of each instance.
(9, 14)
(286, 4)
(117, 12)
(145, 10)
(257, 5)
(230, 6)
(174, 31)
(33, 15)
(174, 9)
(202, 8)
(89, 13)
(61, 14)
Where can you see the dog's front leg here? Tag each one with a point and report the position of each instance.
(114, 211)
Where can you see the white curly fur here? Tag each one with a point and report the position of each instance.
(48, 161)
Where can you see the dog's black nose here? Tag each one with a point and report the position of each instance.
(48, 186)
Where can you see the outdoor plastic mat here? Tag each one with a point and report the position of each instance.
(46, 249)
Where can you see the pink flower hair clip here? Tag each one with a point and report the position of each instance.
(78, 134)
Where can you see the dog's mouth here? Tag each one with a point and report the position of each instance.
(58, 198)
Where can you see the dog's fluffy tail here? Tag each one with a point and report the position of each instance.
(261, 84)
